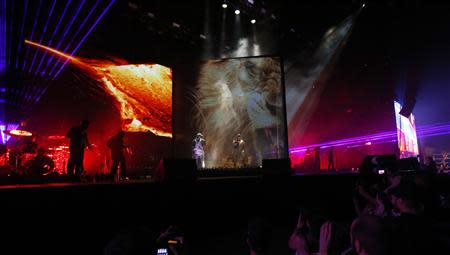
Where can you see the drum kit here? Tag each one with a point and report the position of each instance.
(23, 156)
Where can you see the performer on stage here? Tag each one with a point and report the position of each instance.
(117, 146)
(41, 164)
(238, 151)
(331, 159)
(317, 158)
(78, 142)
(198, 152)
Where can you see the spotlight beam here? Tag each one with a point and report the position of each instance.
(223, 33)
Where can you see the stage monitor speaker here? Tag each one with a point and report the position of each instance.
(180, 170)
(373, 163)
(276, 167)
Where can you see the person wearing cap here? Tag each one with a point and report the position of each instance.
(198, 152)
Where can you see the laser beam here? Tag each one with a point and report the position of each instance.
(19, 45)
(56, 52)
(85, 36)
(63, 36)
(36, 18)
(80, 28)
(53, 35)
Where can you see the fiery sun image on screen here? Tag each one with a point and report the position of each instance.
(142, 92)
(143, 95)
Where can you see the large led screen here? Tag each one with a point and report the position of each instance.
(113, 95)
(143, 96)
(406, 133)
(240, 97)
(142, 92)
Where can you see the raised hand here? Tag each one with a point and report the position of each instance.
(325, 237)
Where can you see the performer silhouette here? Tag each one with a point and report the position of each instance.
(331, 159)
(198, 152)
(41, 164)
(78, 142)
(117, 146)
(238, 151)
(316, 158)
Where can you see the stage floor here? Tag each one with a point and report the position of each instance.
(129, 182)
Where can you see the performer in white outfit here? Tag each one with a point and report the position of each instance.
(198, 152)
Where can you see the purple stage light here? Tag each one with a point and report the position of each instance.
(19, 45)
(36, 18)
(66, 30)
(27, 87)
(77, 32)
(3, 128)
(423, 131)
(41, 92)
(85, 36)
(2, 37)
(53, 36)
(348, 141)
(43, 33)
(9, 32)
(436, 134)
(38, 69)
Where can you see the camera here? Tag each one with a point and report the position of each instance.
(171, 239)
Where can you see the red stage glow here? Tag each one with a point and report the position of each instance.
(142, 92)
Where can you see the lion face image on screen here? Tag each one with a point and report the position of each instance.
(240, 96)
